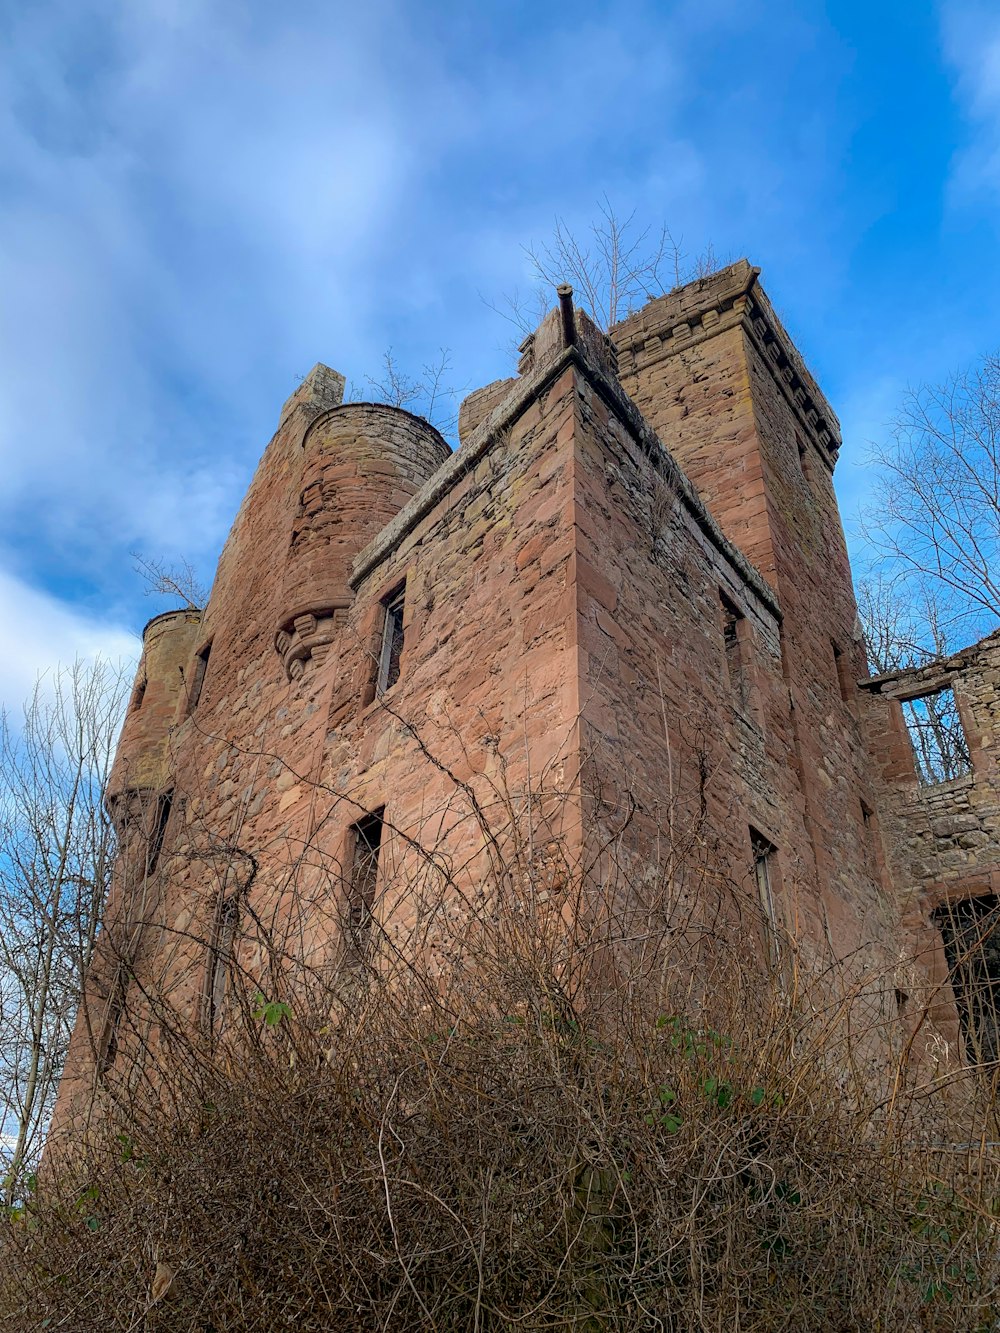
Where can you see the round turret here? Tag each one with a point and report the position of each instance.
(362, 463)
(142, 762)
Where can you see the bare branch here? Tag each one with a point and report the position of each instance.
(177, 581)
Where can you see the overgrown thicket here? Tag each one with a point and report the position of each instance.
(594, 1117)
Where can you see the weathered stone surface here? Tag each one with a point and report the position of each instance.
(620, 594)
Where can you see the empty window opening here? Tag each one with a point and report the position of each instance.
(971, 933)
(733, 630)
(138, 694)
(901, 1001)
(366, 839)
(764, 865)
(113, 1021)
(847, 685)
(221, 957)
(940, 749)
(163, 804)
(198, 677)
(392, 641)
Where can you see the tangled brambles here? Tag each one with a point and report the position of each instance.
(517, 1158)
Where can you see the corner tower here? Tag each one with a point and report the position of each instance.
(712, 369)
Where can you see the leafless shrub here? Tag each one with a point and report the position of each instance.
(178, 581)
(557, 1100)
(614, 267)
(429, 394)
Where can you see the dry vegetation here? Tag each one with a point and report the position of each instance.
(578, 1124)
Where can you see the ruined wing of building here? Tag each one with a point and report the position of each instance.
(622, 610)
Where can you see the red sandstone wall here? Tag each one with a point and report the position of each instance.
(713, 370)
(564, 646)
(663, 720)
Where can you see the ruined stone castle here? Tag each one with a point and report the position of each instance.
(628, 592)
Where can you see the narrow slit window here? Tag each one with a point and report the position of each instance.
(392, 641)
(732, 639)
(113, 1021)
(198, 677)
(971, 934)
(366, 838)
(163, 806)
(221, 957)
(872, 842)
(138, 694)
(764, 866)
(940, 750)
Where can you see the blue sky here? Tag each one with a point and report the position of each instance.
(199, 199)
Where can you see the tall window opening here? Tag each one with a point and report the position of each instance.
(113, 1020)
(161, 817)
(138, 694)
(392, 641)
(366, 840)
(940, 749)
(764, 868)
(971, 934)
(220, 959)
(198, 676)
(733, 632)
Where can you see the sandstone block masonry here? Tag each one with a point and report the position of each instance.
(627, 589)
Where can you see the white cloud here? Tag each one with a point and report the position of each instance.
(42, 633)
(971, 33)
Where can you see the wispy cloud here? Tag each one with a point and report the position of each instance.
(42, 633)
(199, 199)
(971, 32)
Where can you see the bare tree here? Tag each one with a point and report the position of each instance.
(934, 521)
(900, 631)
(56, 849)
(178, 581)
(614, 267)
(428, 394)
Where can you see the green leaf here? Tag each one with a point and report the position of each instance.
(271, 1011)
(757, 1096)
